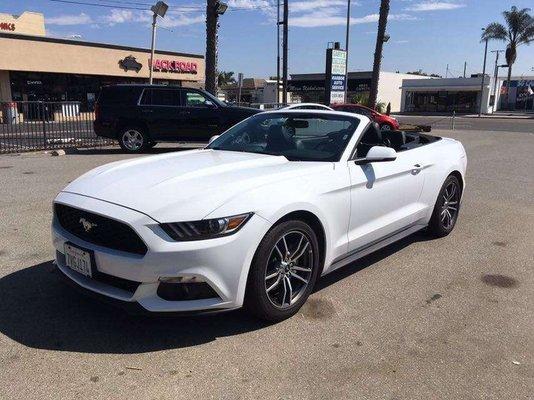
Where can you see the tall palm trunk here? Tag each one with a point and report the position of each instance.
(382, 22)
(511, 55)
(508, 104)
(211, 47)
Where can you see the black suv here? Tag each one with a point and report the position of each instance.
(139, 116)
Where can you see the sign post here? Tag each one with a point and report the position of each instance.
(336, 75)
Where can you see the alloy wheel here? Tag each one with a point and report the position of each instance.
(449, 207)
(132, 139)
(289, 269)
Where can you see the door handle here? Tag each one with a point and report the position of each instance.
(184, 112)
(147, 110)
(416, 169)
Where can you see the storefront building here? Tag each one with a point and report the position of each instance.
(463, 95)
(34, 67)
(310, 88)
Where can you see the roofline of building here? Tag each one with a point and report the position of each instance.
(92, 44)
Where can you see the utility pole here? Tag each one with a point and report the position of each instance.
(483, 78)
(347, 34)
(214, 8)
(465, 67)
(284, 55)
(447, 71)
(278, 51)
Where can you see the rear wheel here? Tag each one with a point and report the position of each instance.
(133, 140)
(283, 271)
(446, 209)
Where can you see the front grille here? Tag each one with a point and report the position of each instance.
(102, 231)
(115, 281)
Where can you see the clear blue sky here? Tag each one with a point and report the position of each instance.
(425, 34)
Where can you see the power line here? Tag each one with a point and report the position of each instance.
(98, 5)
(132, 5)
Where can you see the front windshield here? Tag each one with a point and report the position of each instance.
(296, 136)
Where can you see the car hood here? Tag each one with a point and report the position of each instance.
(186, 185)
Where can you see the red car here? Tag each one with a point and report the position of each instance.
(386, 122)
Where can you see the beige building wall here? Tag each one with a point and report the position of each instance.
(390, 88)
(28, 23)
(60, 56)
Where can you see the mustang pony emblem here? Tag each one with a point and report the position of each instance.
(87, 225)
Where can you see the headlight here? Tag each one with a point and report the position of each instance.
(206, 228)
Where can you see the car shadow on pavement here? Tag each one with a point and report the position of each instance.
(369, 260)
(37, 309)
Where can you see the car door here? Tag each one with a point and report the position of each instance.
(384, 196)
(160, 111)
(200, 118)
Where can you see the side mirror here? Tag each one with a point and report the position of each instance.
(378, 154)
(213, 138)
(209, 103)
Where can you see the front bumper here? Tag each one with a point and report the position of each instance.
(222, 263)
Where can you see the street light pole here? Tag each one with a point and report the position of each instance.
(284, 50)
(495, 77)
(160, 8)
(483, 78)
(347, 53)
(278, 51)
(152, 47)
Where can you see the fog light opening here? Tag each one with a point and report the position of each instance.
(181, 279)
(185, 288)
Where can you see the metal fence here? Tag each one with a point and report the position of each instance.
(37, 125)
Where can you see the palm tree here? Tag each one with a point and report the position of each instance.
(211, 47)
(519, 30)
(380, 39)
(225, 78)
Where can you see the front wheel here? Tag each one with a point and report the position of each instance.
(283, 271)
(446, 209)
(133, 140)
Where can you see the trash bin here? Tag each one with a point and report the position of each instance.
(10, 113)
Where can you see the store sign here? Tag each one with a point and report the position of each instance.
(336, 67)
(7, 26)
(130, 64)
(175, 66)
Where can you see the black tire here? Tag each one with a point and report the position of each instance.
(126, 139)
(442, 224)
(257, 299)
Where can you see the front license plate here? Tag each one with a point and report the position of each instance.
(78, 260)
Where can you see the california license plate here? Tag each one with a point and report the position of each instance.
(78, 260)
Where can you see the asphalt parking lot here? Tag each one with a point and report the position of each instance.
(451, 318)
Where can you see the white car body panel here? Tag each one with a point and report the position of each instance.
(355, 204)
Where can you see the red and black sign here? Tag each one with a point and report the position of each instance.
(175, 66)
(7, 26)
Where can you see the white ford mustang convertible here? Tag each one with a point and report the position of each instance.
(257, 216)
